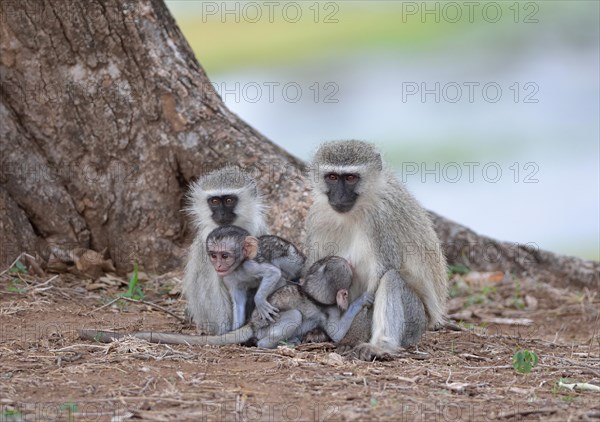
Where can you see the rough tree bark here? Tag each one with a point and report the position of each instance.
(106, 118)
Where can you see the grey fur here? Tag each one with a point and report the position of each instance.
(386, 230)
(209, 305)
(276, 261)
(300, 312)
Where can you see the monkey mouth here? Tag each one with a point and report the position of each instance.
(342, 208)
(222, 273)
(224, 220)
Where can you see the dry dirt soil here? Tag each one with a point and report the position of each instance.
(48, 373)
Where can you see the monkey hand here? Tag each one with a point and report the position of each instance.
(366, 299)
(267, 311)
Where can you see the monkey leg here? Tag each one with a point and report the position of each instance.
(399, 318)
(285, 328)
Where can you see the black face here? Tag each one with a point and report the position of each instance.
(341, 193)
(223, 208)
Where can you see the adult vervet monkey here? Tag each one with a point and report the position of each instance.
(222, 197)
(366, 215)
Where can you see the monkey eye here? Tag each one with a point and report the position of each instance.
(332, 177)
(229, 201)
(351, 178)
(225, 256)
(214, 201)
(213, 256)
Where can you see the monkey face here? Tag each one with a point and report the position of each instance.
(223, 208)
(342, 190)
(222, 258)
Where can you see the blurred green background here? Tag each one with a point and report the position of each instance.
(489, 111)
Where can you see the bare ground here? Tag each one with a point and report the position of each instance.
(47, 373)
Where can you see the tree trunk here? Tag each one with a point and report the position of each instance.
(107, 117)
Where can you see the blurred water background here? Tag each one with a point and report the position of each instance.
(489, 111)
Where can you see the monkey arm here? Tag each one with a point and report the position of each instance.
(270, 277)
(337, 327)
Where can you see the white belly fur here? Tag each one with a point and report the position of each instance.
(344, 232)
(354, 246)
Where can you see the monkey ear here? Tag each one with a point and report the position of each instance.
(341, 299)
(250, 247)
(379, 164)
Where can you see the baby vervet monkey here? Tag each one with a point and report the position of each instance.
(244, 262)
(320, 300)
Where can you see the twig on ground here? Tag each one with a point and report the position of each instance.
(143, 302)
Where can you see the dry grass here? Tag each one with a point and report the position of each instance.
(47, 373)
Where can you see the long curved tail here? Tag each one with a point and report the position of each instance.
(238, 336)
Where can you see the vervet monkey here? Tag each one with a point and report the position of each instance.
(320, 300)
(224, 196)
(367, 216)
(244, 262)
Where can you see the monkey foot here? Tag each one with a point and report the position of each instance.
(370, 352)
(344, 349)
(316, 336)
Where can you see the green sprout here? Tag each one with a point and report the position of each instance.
(524, 361)
(134, 291)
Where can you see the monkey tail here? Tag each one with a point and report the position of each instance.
(238, 336)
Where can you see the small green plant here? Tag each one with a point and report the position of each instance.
(467, 325)
(488, 290)
(481, 297)
(457, 269)
(11, 414)
(287, 343)
(374, 402)
(18, 267)
(16, 286)
(524, 361)
(134, 291)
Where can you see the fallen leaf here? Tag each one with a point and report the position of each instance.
(479, 280)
